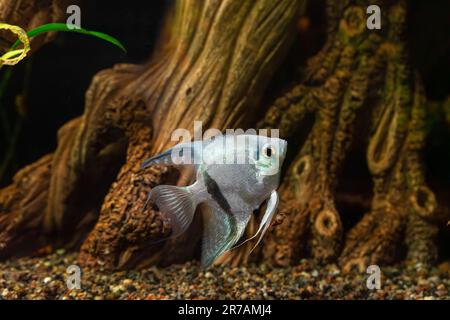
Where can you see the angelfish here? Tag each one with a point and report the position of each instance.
(235, 174)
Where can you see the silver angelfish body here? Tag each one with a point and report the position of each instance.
(235, 174)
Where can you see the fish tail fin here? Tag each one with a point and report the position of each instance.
(177, 203)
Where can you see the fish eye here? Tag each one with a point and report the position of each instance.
(268, 151)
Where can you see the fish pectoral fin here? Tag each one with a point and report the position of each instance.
(272, 205)
(177, 203)
(220, 232)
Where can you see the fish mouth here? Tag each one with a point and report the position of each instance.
(268, 173)
(275, 169)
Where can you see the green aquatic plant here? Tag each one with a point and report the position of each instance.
(65, 28)
(14, 55)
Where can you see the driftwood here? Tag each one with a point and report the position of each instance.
(339, 88)
(212, 64)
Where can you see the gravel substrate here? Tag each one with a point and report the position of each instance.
(45, 278)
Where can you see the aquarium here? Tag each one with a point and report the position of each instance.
(224, 150)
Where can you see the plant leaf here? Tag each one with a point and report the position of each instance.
(12, 54)
(63, 27)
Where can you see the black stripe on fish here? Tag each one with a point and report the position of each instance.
(213, 189)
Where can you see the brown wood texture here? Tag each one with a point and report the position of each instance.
(212, 64)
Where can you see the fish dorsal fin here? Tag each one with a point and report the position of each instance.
(272, 205)
(185, 154)
(162, 158)
(221, 231)
(177, 203)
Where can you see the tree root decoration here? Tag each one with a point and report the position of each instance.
(403, 207)
(81, 169)
(122, 224)
(335, 87)
(393, 152)
(87, 160)
(289, 240)
(377, 237)
(23, 203)
(212, 66)
(183, 87)
(21, 206)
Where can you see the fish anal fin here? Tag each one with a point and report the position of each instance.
(221, 231)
